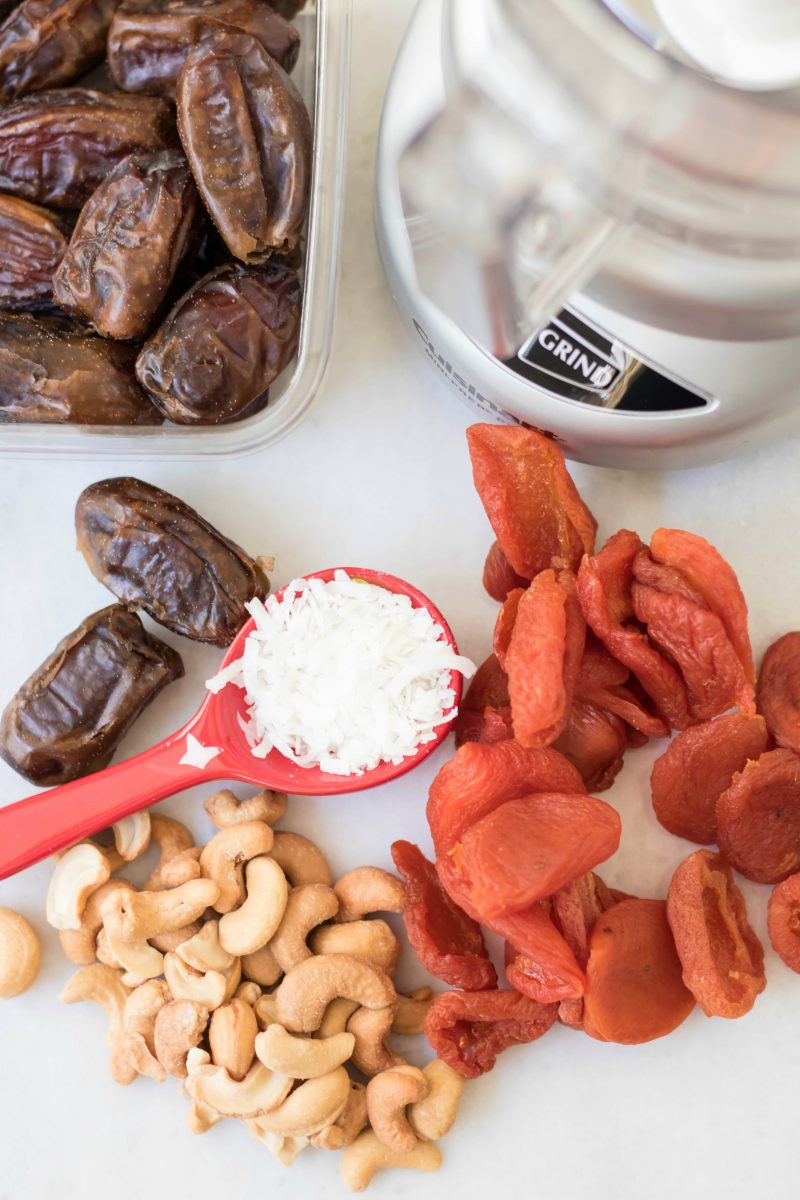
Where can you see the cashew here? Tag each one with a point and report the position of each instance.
(302, 1057)
(122, 1071)
(259, 1091)
(309, 987)
(175, 938)
(252, 925)
(367, 1154)
(224, 809)
(132, 980)
(178, 1028)
(20, 954)
(140, 915)
(410, 1012)
(372, 940)
(113, 856)
(249, 992)
(301, 860)
(203, 951)
(181, 868)
(187, 984)
(285, 1149)
(172, 838)
(77, 874)
(232, 977)
(103, 985)
(371, 1053)
(262, 967)
(103, 951)
(132, 835)
(142, 1007)
(139, 957)
(368, 890)
(80, 944)
(308, 906)
(316, 1104)
(348, 1126)
(337, 1014)
(222, 859)
(231, 1036)
(387, 1096)
(201, 1118)
(433, 1116)
(133, 1049)
(266, 1010)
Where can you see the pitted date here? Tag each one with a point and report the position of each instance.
(52, 371)
(155, 552)
(68, 718)
(129, 241)
(247, 135)
(44, 43)
(222, 345)
(32, 244)
(148, 41)
(57, 147)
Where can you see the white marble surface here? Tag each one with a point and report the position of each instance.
(378, 475)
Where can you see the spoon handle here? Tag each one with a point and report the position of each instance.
(42, 824)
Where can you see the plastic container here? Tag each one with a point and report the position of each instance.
(322, 74)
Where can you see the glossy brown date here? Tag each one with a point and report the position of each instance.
(53, 371)
(155, 552)
(247, 135)
(131, 237)
(148, 42)
(222, 345)
(57, 147)
(44, 43)
(32, 244)
(68, 718)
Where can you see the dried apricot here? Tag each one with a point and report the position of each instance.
(547, 971)
(696, 768)
(783, 921)
(534, 508)
(599, 668)
(722, 959)
(488, 690)
(634, 990)
(480, 777)
(492, 725)
(758, 818)
(504, 625)
(527, 848)
(778, 691)
(447, 942)
(664, 578)
(576, 907)
(622, 702)
(499, 577)
(594, 741)
(469, 1029)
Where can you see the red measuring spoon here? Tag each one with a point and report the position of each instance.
(33, 828)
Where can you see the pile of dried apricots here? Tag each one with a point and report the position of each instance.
(596, 652)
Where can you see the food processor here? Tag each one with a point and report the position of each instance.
(589, 216)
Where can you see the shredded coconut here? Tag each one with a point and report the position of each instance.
(343, 675)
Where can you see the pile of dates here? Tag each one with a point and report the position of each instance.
(149, 234)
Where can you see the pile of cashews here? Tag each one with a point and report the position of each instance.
(242, 969)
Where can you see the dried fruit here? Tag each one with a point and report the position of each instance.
(447, 942)
(697, 767)
(594, 742)
(783, 921)
(247, 135)
(32, 244)
(758, 818)
(481, 777)
(534, 508)
(599, 668)
(129, 241)
(68, 718)
(504, 627)
(491, 725)
(621, 702)
(44, 43)
(547, 970)
(499, 577)
(576, 907)
(722, 959)
(634, 989)
(216, 353)
(469, 1029)
(778, 691)
(155, 552)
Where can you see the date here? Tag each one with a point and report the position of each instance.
(44, 43)
(57, 147)
(223, 344)
(131, 237)
(32, 244)
(68, 718)
(53, 371)
(155, 552)
(148, 42)
(247, 135)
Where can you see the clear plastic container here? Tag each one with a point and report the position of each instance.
(322, 74)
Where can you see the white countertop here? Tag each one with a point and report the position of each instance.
(379, 476)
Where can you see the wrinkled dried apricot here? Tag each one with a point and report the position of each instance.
(722, 959)
(547, 971)
(487, 690)
(594, 741)
(504, 625)
(634, 990)
(758, 818)
(783, 921)
(492, 725)
(664, 578)
(778, 690)
(696, 768)
(576, 907)
(469, 1029)
(499, 577)
(622, 702)
(599, 668)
